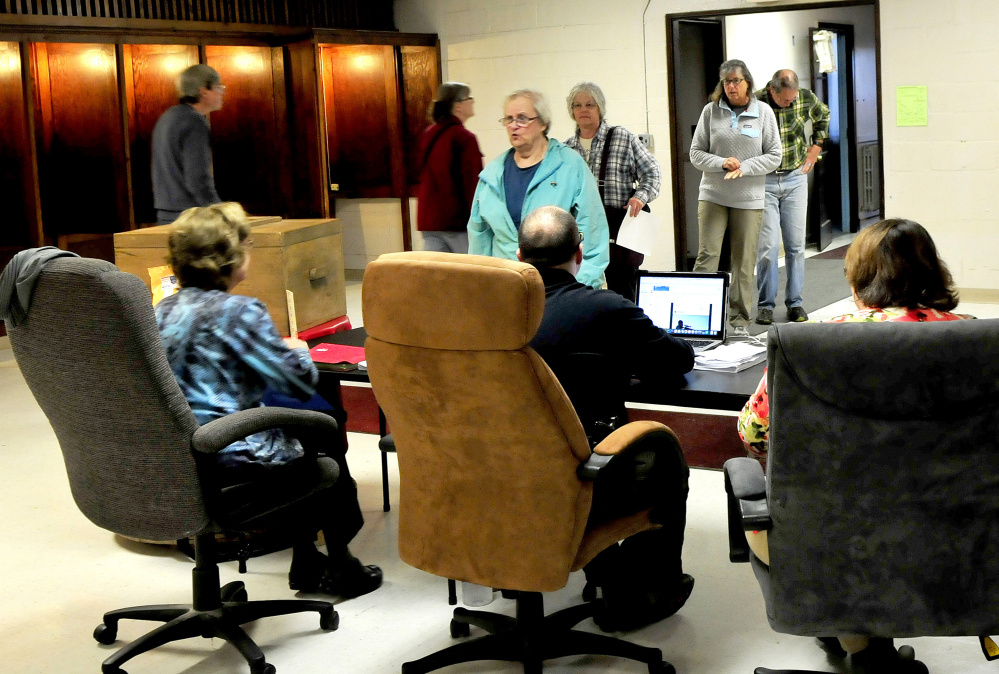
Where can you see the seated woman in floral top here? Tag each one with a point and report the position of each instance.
(225, 352)
(896, 275)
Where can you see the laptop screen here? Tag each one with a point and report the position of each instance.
(686, 304)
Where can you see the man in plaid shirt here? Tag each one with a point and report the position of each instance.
(632, 178)
(786, 205)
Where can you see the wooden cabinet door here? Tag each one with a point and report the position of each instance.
(363, 135)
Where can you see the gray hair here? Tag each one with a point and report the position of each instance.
(448, 94)
(540, 104)
(724, 69)
(784, 79)
(591, 89)
(190, 81)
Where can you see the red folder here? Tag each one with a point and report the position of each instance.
(336, 353)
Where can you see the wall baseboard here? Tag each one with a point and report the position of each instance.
(979, 295)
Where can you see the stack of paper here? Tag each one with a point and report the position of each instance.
(730, 357)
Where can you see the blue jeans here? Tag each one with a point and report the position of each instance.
(445, 242)
(784, 213)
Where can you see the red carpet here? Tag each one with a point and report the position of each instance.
(708, 440)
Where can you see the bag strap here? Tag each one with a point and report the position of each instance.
(430, 145)
(603, 162)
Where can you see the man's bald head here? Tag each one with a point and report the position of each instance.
(548, 237)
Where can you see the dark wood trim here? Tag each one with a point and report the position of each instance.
(376, 37)
(88, 29)
(679, 231)
(767, 9)
(393, 95)
(32, 194)
(128, 203)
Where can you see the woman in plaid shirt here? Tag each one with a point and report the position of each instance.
(630, 181)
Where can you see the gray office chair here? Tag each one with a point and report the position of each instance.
(882, 490)
(138, 463)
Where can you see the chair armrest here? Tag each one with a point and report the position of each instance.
(619, 441)
(222, 432)
(748, 510)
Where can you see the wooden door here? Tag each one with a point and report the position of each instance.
(150, 73)
(80, 140)
(249, 133)
(421, 75)
(20, 224)
(309, 193)
(363, 134)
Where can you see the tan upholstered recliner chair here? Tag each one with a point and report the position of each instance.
(494, 465)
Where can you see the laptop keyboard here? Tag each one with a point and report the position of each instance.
(701, 344)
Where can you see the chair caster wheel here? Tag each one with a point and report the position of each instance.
(589, 592)
(266, 668)
(234, 591)
(532, 667)
(329, 621)
(105, 634)
(459, 629)
(661, 667)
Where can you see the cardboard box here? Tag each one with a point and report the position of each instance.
(303, 256)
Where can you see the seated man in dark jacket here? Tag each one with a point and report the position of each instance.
(642, 579)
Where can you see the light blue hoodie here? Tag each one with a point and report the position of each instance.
(563, 179)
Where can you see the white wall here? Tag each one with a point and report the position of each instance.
(943, 175)
(786, 46)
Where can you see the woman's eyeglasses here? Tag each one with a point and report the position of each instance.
(519, 120)
(734, 82)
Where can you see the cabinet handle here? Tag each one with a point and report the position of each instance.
(317, 273)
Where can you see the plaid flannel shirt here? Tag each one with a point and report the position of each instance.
(791, 121)
(628, 163)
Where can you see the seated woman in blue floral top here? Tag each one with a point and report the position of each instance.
(225, 352)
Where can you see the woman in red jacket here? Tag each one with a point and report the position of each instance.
(451, 162)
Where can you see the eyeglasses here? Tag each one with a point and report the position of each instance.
(580, 237)
(462, 100)
(579, 106)
(218, 87)
(733, 82)
(519, 120)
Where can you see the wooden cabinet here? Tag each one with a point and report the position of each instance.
(304, 256)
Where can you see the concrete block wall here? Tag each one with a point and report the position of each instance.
(944, 175)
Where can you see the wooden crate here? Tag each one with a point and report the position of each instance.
(303, 256)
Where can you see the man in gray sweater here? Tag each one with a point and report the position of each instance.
(182, 150)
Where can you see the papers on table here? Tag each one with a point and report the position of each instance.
(730, 357)
(638, 233)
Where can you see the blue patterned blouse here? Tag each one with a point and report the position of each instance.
(225, 351)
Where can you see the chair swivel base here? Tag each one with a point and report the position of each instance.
(532, 638)
(183, 622)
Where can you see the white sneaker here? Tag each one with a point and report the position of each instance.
(739, 331)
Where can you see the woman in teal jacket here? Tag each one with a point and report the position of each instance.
(536, 171)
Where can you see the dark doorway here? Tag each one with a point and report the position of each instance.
(698, 51)
(696, 46)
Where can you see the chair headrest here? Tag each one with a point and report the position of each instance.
(452, 302)
(893, 370)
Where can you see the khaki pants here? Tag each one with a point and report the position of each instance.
(744, 232)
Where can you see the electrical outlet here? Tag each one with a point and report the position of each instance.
(646, 139)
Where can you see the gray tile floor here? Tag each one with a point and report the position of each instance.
(59, 573)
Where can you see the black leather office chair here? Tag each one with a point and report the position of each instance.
(882, 486)
(139, 464)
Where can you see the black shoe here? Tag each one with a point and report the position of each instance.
(305, 576)
(617, 611)
(764, 316)
(353, 581)
(796, 315)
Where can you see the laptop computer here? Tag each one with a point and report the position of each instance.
(686, 304)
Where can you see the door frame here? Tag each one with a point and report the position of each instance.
(677, 152)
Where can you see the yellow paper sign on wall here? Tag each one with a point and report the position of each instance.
(911, 106)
